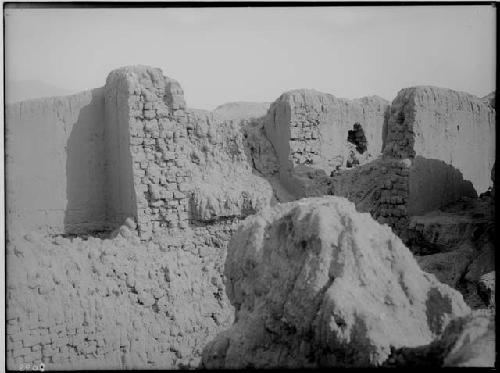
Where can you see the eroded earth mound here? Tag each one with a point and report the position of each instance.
(315, 283)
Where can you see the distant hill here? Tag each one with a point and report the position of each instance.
(27, 89)
(241, 110)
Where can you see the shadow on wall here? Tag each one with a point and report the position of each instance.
(86, 170)
(385, 126)
(434, 184)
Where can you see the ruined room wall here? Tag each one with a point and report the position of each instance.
(188, 166)
(121, 304)
(311, 128)
(424, 150)
(441, 124)
(55, 168)
(153, 113)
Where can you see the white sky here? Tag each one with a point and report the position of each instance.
(254, 54)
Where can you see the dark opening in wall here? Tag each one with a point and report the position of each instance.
(357, 137)
(351, 162)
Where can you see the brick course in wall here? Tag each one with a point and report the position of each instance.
(393, 195)
(116, 304)
(380, 187)
(400, 136)
(304, 136)
(158, 125)
(310, 128)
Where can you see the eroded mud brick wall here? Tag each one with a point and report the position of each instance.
(449, 137)
(55, 164)
(151, 108)
(380, 187)
(439, 147)
(311, 128)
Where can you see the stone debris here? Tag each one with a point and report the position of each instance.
(314, 283)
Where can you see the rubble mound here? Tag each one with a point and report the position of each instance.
(114, 303)
(314, 283)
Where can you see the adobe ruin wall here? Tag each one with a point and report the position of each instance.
(139, 152)
(438, 146)
(133, 149)
(55, 168)
(310, 128)
(450, 138)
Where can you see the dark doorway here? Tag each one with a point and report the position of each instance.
(357, 137)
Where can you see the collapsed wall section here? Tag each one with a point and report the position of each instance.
(56, 164)
(227, 169)
(323, 132)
